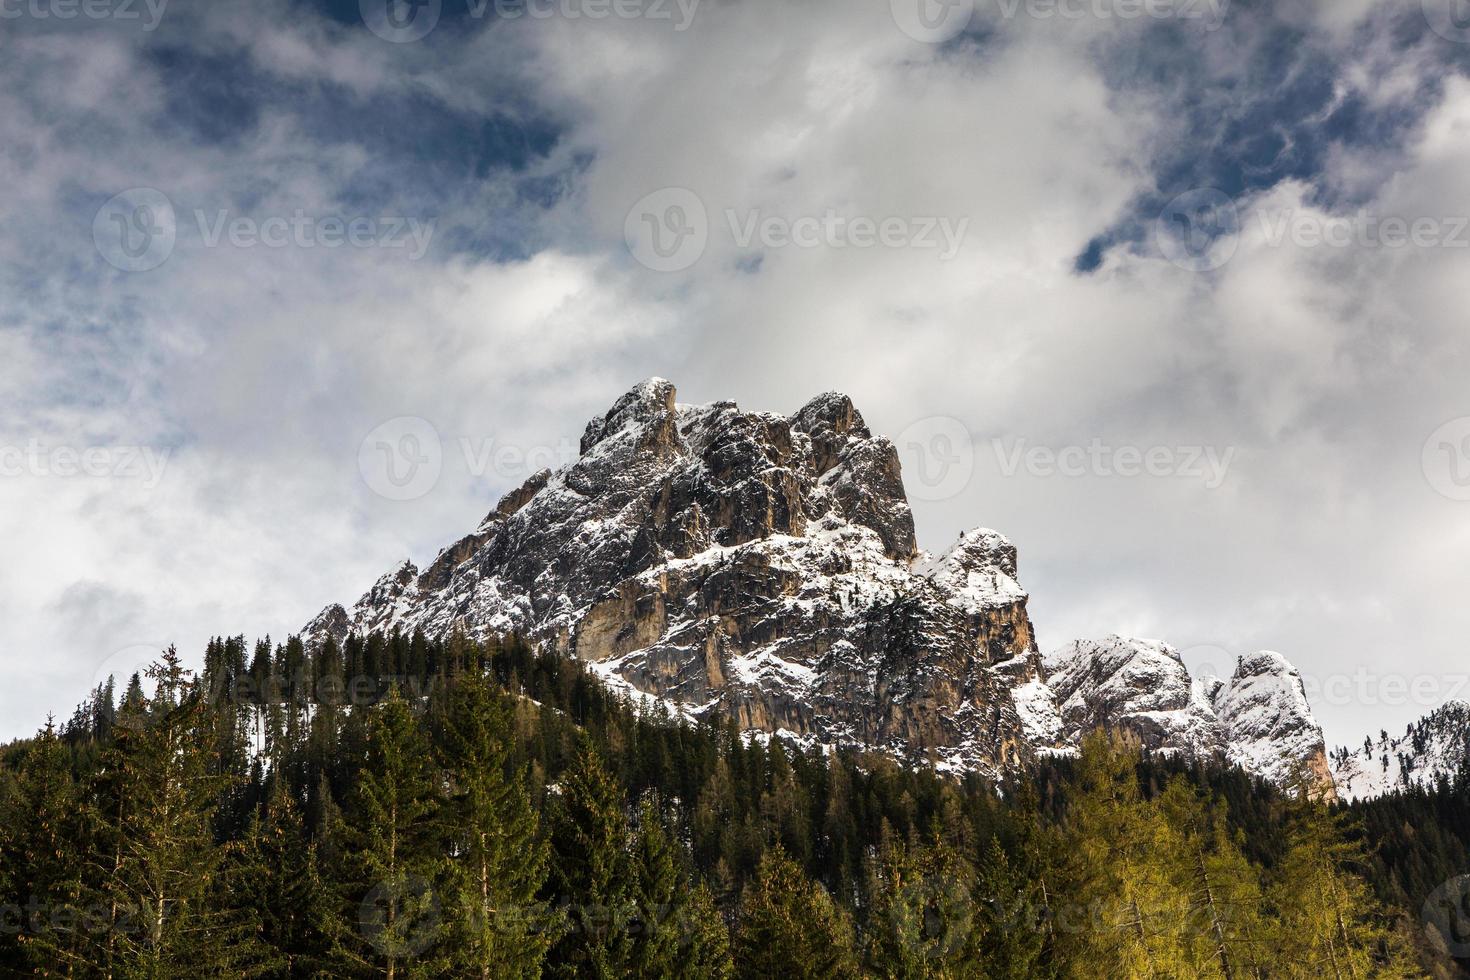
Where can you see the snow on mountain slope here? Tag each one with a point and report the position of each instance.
(764, 568)
(1436, 746)
(1259, 719)
(743, 564)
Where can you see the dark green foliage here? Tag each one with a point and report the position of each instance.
(417, 806)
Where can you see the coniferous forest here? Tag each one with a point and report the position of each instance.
(402, 806)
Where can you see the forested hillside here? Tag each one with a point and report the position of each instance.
(405, 807)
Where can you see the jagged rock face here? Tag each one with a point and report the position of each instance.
(1138, 686)
(1259, 719)
(764, 568)
(745, 564)
(1268, 722)
(1436, 746)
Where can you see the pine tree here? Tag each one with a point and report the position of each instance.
(153, 891)
(1011, 916)
(499, 861)
(1124, 917)
(39, 850)
(1225, 932)
(922, 913)
(389, 922)
(278, 874)
(788, 926)
(592, 877)
(659, 893)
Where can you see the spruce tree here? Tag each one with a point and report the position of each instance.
(39, 852)
(499, 860)
(788, 926)
(592, 879)
(922, 913)
(154, 893)
(388, 921)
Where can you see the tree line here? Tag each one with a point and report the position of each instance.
(403, 806)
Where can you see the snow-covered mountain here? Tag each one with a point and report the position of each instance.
(764, 568)
(1259, 719)
(1437, 745)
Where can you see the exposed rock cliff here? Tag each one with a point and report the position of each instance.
(764, 568)
(747, 564)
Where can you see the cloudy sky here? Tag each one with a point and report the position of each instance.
(1172, 292)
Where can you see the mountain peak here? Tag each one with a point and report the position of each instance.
(763, 568)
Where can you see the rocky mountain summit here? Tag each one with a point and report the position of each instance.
(764, 568)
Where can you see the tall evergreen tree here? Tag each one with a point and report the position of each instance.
(592, 877)
(499, 860)
(788, 926)
(154, 894)
(388, 922)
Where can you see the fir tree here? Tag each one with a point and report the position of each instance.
(499, 860)
(788, 926)
(388, 922)
(592, 877)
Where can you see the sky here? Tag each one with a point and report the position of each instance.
(1171, 292)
